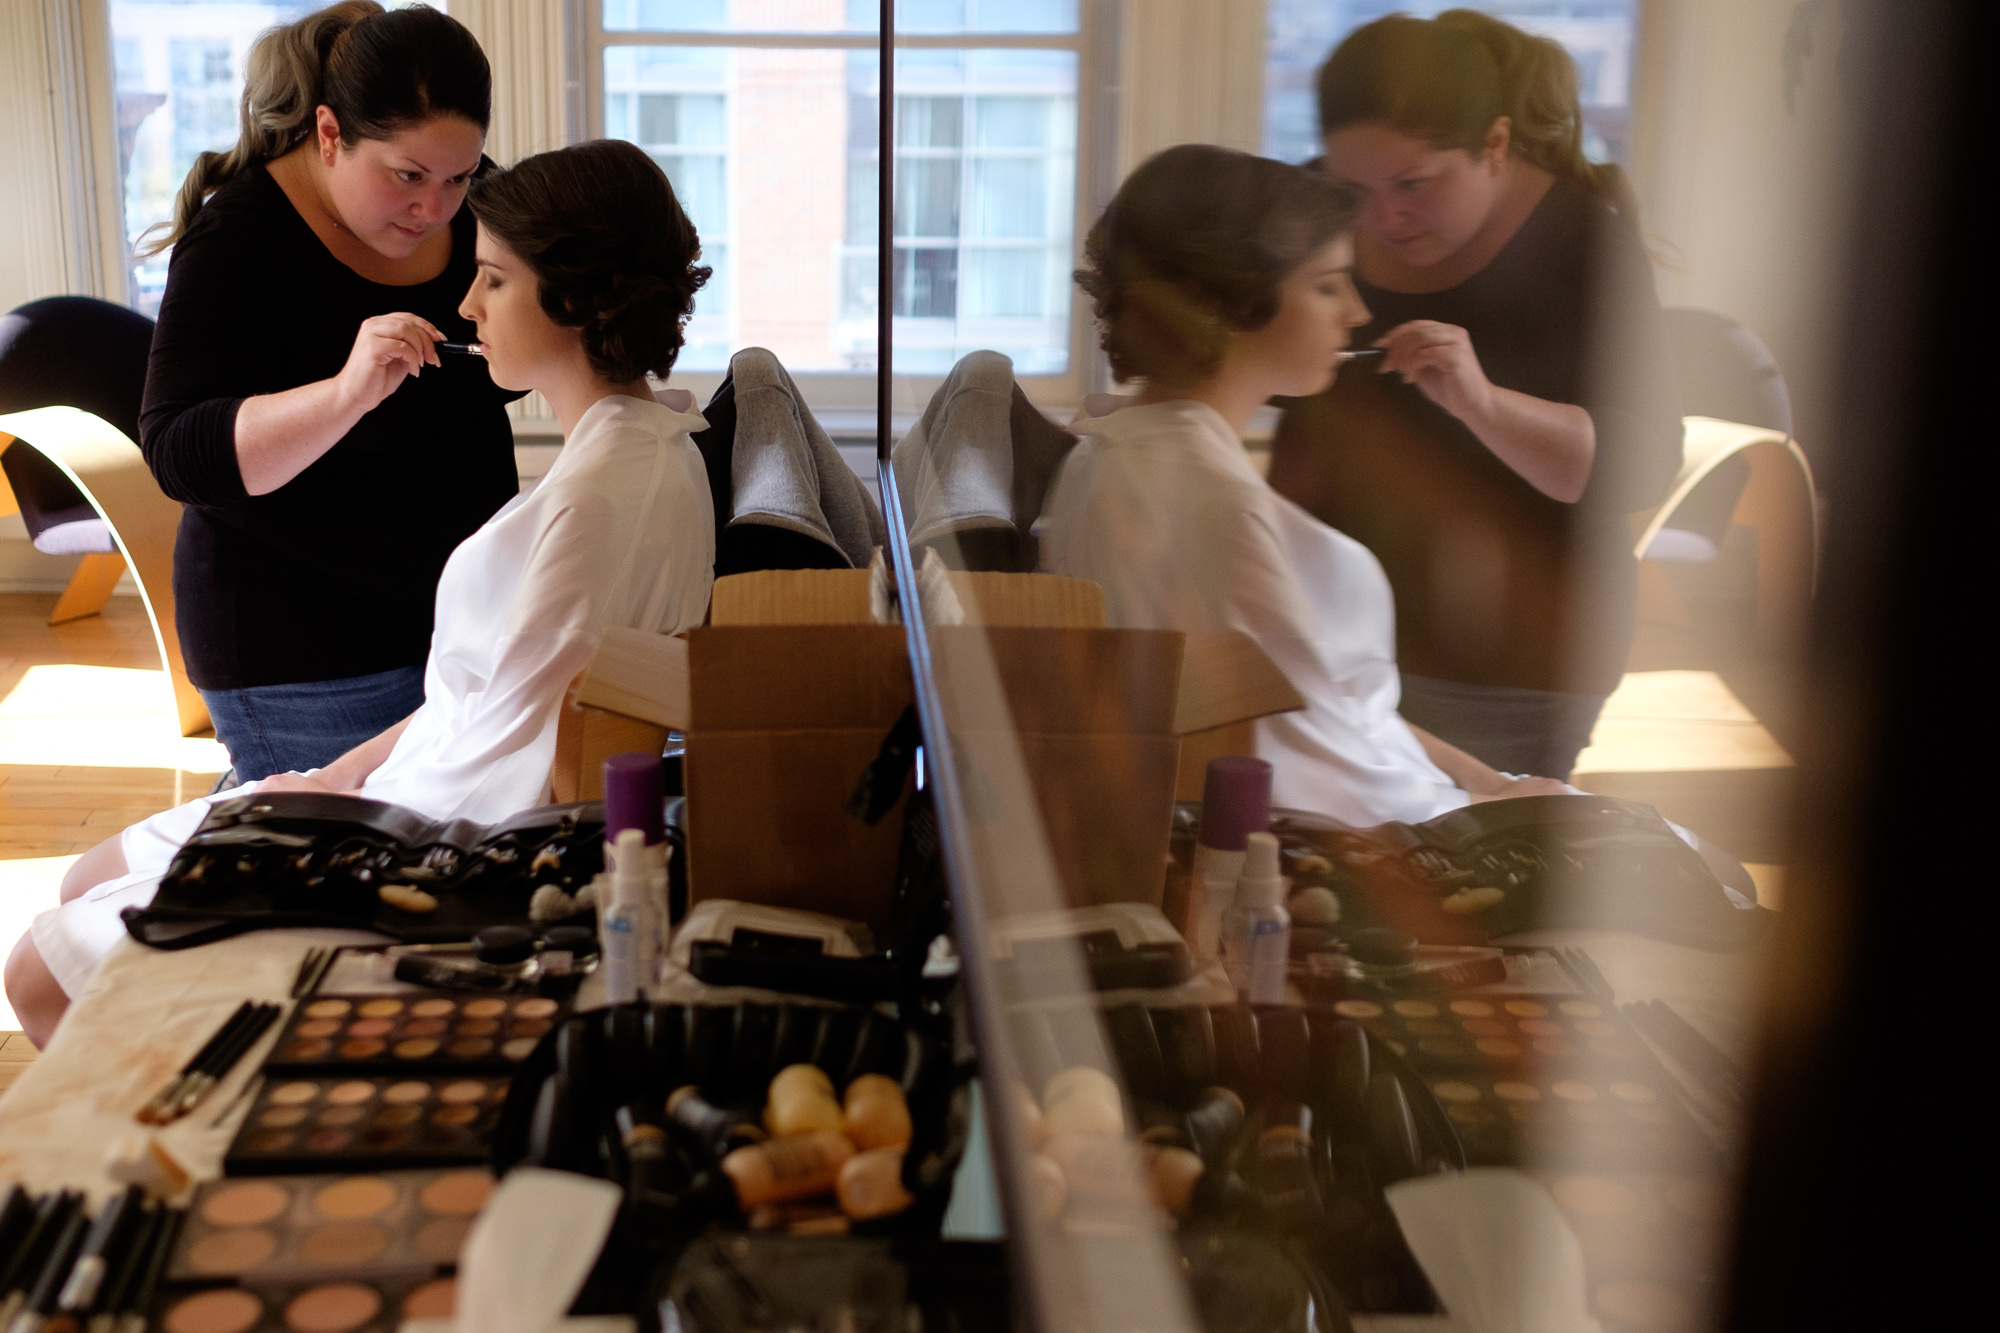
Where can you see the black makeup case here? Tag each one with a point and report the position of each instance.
(1361, 1117)
(286, 859)
(1499, 867)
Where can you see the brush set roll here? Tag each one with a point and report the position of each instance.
(1499, 867)
(288, 859)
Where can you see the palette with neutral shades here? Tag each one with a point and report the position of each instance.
(319, 1226)
(342, 1306)
(389, 1031)
(340, 1123)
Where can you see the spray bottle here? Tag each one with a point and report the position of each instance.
(1235, 803)
(1257, 930)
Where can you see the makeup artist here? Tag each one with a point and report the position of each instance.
(328, 457)
(1523, 404)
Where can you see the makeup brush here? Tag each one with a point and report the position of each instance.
(50, 1234)
(224, 1059)
(139, 1296)
(52, 1214)
(126, 1269)
(155, 1111)
(93, 1261)
(462, 349)
(40, 1300)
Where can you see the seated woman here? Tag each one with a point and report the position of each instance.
(586, 277)
(1223, 280)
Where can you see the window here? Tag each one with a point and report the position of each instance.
(764, 114)
(180, 75)
(179, 70)
(1302, 33)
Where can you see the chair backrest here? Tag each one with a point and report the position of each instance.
(68, 351)
(1726, 371)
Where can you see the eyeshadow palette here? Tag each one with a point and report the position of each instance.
(302, 1125)
(1508, 1068)
(315, 1226)
(1498, 1029)
(397, 1031)
(322, 1307)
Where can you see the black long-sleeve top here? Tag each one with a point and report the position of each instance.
(1496, 583)
(335, 573)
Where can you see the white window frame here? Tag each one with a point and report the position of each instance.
(836, 396)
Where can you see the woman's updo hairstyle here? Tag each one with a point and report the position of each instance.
(379, 71)
(1446, 80)
(614, 252)
(1194, 247)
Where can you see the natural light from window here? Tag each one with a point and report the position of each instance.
(1301, 34)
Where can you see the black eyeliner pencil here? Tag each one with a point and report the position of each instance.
(48, 1284)
(93, 1261)
(139, 1297)
(157, 1111)
(127, 1270)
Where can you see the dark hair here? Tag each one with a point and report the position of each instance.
(379, 72)
(610, 244)
(1446, 80)
(1194, 247)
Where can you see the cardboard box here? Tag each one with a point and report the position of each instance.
(787, 694)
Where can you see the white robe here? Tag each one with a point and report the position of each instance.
(621, 531)
(1160, 506)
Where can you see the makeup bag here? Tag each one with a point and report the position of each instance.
(286, 859)
(562, 1109)
(1498, 867)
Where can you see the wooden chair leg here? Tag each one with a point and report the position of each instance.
(89, 588)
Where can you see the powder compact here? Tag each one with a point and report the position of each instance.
(343, 1306)
(308, 1227)
(375, 1032)
(341, 1123)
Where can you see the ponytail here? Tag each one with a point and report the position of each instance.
(1446, 80)
(378, 71)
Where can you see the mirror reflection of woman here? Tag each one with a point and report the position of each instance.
(327, 456)
(1524, 403)
(1222, 280)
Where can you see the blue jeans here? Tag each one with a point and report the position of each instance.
(1535, 733)
(284, 728)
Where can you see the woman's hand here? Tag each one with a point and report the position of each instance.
(1550, 445)
(279, 435)
(387, 349)
(296, 782)
(1511, 786)
(1439, 360)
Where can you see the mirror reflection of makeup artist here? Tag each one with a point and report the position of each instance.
(1524, 403)
(328, 458)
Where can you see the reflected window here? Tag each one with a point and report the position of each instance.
(1300, 34)
(179, 72)
(771, 142)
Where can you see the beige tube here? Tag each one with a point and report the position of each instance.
(871, 1184)
(801, 1101)
(798, 1167)
(877, 1114)
(1082, 1100)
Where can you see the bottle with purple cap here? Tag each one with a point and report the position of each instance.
(1235, 803)
(635, 862)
